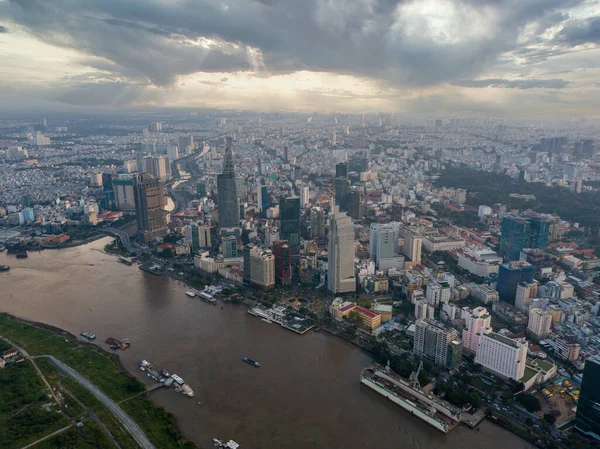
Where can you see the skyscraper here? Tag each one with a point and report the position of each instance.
(355, 204)
(510, 275)
(283, 263)
(317, 222)
(476, 323)
(259, 266)
(341, 170)
(289, 219)
(383, 246)
(108, 191)
(186, 145)
(149, 207)
(263, 199)
(340, 260)
(527, 230)
(304, 196)
(587, 420)
(227, 197)
(342, 185)
(157, 166)
(197, 236)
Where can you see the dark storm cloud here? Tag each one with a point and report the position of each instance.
(159, 40)
(580, 32)
(3, 29)
(515, 84)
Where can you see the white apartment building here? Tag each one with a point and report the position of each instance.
(476, 324)
(525, 294)
(442, 242)
(502, 355)
(438, 293)
(423, 310)
(540, 323)
(486, 294)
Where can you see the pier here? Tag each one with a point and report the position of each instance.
(154, 387)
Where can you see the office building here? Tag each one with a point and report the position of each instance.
(227, 195)
(437, 293)
(540, 323)
(304, 196)
(124, 194)
(341, 170)
(383, 246)
(289, 222)
(477, 323)
(149, 207)
(413, 245)
(355, 204)
(342, 186)
(263, 200)
(317, 222)
(283, 263)
(197, 236)
(108, 191)
(340, 261)
(527, 230)
(259, 266)
(229, 245)
(286, 155)
(437, 342)
(155, 127)
(172, 153)
(502, 355)
(510, 275)
(186, 145)
(587, 419)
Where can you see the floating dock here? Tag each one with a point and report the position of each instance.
(435, 412)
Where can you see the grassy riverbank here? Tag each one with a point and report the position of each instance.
(101, 368)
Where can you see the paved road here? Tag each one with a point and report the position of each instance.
(48, 436)
(127, 422)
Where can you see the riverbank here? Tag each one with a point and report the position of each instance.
(105, 371)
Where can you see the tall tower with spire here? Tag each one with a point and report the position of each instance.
(228, 204)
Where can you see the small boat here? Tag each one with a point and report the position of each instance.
(266, 320)
(88, 335)
(191, 294)
(187, 390)
(4, 268)
(250, 362)
(229, 445)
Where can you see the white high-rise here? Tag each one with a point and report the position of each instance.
(423, 310)
(383, 246)
(340, 261)
(502, 355)
(304, 196)
(540, 323)
(477, 323)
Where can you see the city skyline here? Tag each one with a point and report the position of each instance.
(433, 56)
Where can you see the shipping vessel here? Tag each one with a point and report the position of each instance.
(221, 445)
(88, 335)
(408, 395)
(4, 268)
(250, 362)
(191, 294)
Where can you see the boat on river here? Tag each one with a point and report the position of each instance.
(251, 362)
(4, 268)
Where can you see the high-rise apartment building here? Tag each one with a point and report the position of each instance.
(423, 310)
(340, 261)
(477, 323)
(157, 166)
(540, 323)
(437, 293)
(96, 179)
(156, 127)
(124, 194)
(283, 263)
(413, 244)
(149, 207)
(510, 275)
(289, 222)
(186, 145)
(227, 196)
(259, 266)
(502, 355)
(437, 342)
(587, 420)
(525, 294)
(527, 230)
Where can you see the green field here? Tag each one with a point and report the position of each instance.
(23, 420)
(104, 371)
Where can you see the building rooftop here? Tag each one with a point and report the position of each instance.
(502, 339)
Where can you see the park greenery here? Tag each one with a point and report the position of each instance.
(490, 188)
(98, 366)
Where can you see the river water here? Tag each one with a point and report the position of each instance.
(306, 394)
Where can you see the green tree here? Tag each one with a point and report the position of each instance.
(529, 402)
(354, 317)
(549, 418)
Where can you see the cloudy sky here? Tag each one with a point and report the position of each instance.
(512, 57)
